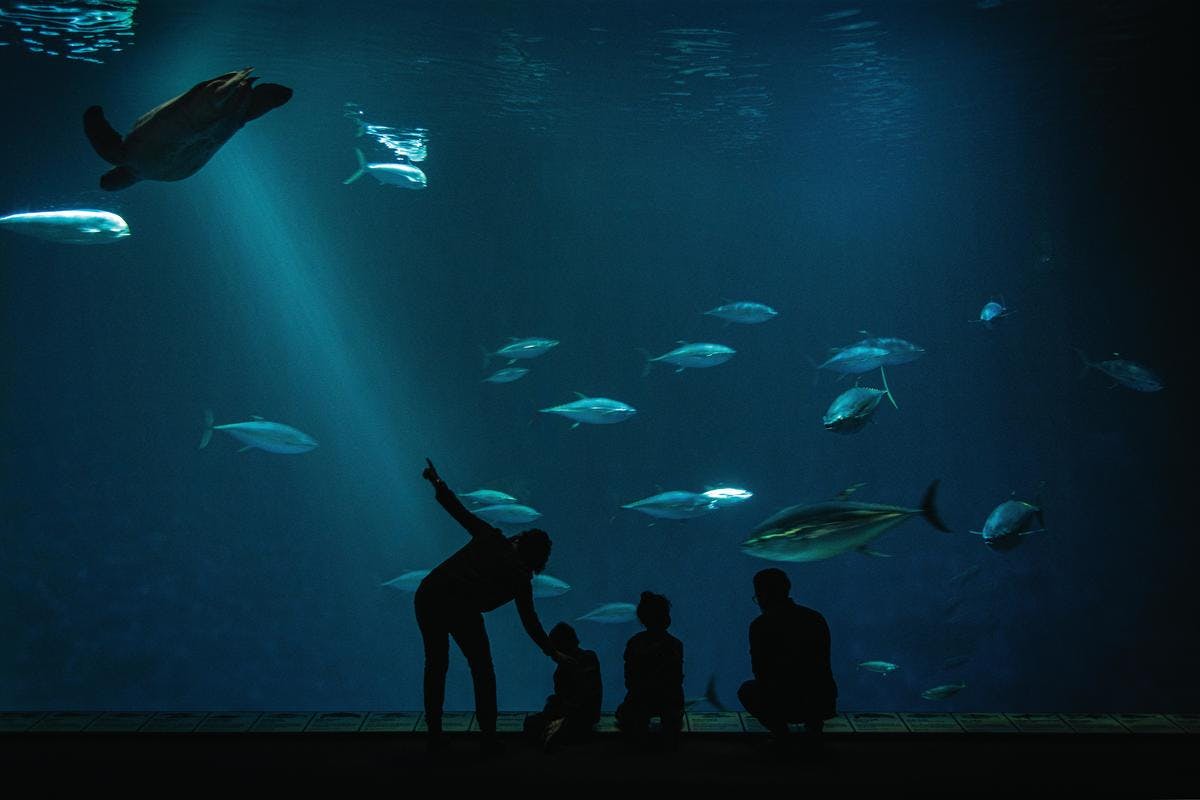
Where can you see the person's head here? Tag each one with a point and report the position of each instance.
(771, 586)
(563, 637)
(654, 611)
(533, 548)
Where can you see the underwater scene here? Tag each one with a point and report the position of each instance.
(874, 292)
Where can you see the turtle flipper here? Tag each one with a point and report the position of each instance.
(118, 178)
(265, 97)
(104, 139)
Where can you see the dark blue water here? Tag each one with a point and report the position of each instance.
(601, 174)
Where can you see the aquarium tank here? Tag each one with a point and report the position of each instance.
(877, 293)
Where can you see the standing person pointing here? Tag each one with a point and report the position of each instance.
(483, 575)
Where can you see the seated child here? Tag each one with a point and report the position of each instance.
(653, 674)
(574, 708)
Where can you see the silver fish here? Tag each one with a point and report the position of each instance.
(507, 375)
(942, 692)
(695, 355)
(611, 613)
(75, 226)
(507, 514)
(593, 410)
(274, 437)
(1009, 521)
(743, 311)
(1126, 373)
(393, 173)
(853, 408)
(521, 348)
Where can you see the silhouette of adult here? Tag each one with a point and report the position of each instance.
(486, 573)
(573, 710)
(789, 652)
(653, 674)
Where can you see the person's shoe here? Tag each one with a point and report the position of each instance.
(550, 737)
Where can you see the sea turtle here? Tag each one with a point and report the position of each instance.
(177, 138)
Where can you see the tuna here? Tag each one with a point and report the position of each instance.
(488, 497)
(274, 437)
(74, 226)
(855, 359)
(672, 505)
(592, 410)
(991, 311)
(823, 530)
(882, 667)
(507, 375)
(1126, 373)
(723, 496)
(942, 692)
(854, 408)
(1009, 521)
(744, 312)
(543, 585)
(521, 348)
(507, 514)
(697, 355)
(611, 614)
(393, 173)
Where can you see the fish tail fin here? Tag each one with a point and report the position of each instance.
(1086, 364)
(710, 694)
(649, 365)
(206, 437)
(362, 167)
(816, 368)
(929, 509)
(886, 390)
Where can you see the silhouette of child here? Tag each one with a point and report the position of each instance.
(574, 709)
(653, 674)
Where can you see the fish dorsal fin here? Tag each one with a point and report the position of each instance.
(844, 494)
(582, 396)
(257, 417)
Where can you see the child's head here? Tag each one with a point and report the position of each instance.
(563, 637)
(654, 611)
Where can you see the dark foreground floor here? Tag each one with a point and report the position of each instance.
(960, 764)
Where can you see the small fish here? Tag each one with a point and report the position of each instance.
(507, 514)
(672, 505)
(744, 312)
(521, 348)
(823, 530)
(954, 661)
(543, 585)
(406, 176)
(611, 614)
(853, 408)
(898, 351)
(991, 311)
(274, 437)
(942, 692)
(75, 226)
(409, 581)
(549, 586)
(1009, 521)
(592, 410)
(507, 375)
(488, 497)
(882, 667)
(855, 359)
(696, 356)
(1126, 373)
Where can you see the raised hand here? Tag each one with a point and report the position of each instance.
(430, 473)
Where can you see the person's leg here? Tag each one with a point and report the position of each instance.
(471, 636)
(762, 709)
(436, 637)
